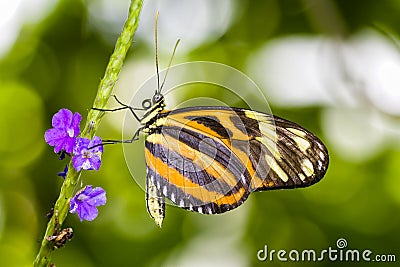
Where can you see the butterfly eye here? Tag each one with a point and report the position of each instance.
(157, 97)
(146, 104)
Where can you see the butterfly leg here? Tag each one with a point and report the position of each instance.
(128, 141)
(123, 106)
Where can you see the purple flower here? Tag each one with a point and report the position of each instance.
(84, 158)
(85, 202)
(63, 174)
(65, 130)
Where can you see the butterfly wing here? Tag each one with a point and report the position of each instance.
(193, 170)
(209, 159)
(286, 154)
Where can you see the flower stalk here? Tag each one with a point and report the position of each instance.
(105, 88)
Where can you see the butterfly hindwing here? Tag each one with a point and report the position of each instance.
(209, 159)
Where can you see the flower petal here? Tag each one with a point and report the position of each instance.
(62, 119)
(84, 158)
(96, 141)
(55, 138)
(68, 144)
(80, 145)
(65, 131)
(88, 213)
(95, 162)
(85, 202)
(97, 197)
(78, 162)
(73, 205)
(76, 120)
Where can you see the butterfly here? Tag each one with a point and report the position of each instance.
(209, 159)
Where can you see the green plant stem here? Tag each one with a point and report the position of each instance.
(93, 120)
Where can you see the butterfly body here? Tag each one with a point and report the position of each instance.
(209, 159)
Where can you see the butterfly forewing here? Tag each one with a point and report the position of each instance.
(302, 158)
(209, 159)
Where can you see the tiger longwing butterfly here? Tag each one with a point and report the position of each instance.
(208, 159)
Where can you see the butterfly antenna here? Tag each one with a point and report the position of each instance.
(158, 90)
(169, 64)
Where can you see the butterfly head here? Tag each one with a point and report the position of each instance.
(153, 107)
(157, 98)
(156, 101)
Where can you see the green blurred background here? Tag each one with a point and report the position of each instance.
(331, 66)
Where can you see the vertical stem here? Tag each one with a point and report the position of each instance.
(93, 119)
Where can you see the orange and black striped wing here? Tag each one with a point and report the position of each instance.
(209, 159)
(288, 156)
(195, 172)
